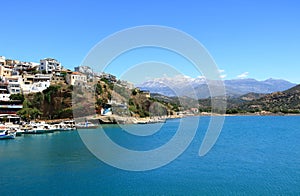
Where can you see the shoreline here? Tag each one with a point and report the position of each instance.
(114, 119)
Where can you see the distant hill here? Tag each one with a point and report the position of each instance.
(279, 102)
(197, 88)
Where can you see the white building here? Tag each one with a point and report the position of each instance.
(13, 86)
(35, 83)
(4, 94)
(35, 87)
(39, 86)
(48, 65)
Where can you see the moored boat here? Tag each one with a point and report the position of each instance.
(65, 126)
(149, 120)
(6, 134)
(86, 125)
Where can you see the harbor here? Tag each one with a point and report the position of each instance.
(15, 127)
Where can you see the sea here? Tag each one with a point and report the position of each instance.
(253, 155)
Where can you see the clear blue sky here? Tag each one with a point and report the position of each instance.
(258, 37)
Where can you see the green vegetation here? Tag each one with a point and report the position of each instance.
(50, 91)
(18, 96)
(53, 102)
(98, 89)
(29, 112)
(106, 81)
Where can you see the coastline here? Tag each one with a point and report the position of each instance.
(115, 119)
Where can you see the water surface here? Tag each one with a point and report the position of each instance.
(253, 155)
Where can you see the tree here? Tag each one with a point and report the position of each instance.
(98, 89)
(49, 91)
(134, 92)
(29, 113)
(18, 96)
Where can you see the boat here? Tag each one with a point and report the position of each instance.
(86, 125)
(11, 128)
(65, 126)
(39, 128)
(157, 120)
(142, 122)
(149, 120)
(6, 134)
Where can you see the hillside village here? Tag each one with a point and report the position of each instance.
(18, 77)
(44, 91)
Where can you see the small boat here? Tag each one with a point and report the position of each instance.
(157, 120)
(7, 135)
(12, 128)
(16, 130)
(65, 126)
(142, 122)
(149, 120)
(86, 125)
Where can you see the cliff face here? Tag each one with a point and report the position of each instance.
(54, 102)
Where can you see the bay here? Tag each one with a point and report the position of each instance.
(256, 155)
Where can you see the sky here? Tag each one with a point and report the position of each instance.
(255, 39)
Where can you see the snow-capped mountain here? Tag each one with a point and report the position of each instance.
(191, 87)
(172, 86)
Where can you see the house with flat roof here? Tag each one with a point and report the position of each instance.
(35, 83)
(48, 65)
(13, 84)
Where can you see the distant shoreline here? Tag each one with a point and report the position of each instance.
(249, 114)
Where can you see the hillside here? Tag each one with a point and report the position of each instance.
(56, 102)
(285, 102)
(279, 102)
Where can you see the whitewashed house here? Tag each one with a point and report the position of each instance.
(49, 65)
(35, 83)
(13, 84)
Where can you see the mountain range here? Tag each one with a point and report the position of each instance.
(185, 86)
(284, 102)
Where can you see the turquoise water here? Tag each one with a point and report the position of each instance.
(253, 155)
